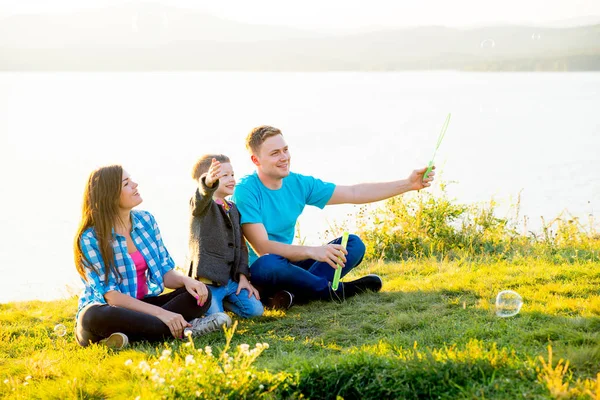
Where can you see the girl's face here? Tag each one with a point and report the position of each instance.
(226, 182)
(129, 195)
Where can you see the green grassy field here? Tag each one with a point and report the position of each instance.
(431, 333)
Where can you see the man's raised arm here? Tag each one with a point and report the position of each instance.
(369, 192)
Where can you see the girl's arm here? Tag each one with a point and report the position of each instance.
(175, 279)
(175, 322)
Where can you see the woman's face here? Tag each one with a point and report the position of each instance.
(129, 195)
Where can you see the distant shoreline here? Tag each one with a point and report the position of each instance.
(172, 39)
(289, 71)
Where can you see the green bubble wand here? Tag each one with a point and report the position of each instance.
(338, 271)
(442, 134)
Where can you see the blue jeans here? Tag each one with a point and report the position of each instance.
(224, 298)
(307, 279)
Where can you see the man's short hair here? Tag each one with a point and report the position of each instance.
(203, 164)
(258, 135)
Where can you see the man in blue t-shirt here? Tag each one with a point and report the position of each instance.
(270, 201)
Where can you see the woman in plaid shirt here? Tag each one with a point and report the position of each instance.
(121, 258)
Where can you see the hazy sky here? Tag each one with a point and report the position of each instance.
(333, 15)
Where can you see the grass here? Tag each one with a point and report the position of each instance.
(431, 333)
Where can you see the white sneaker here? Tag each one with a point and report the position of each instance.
(116, 341)
(211, 323)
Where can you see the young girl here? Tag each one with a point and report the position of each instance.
(121, 258)
(218, 253)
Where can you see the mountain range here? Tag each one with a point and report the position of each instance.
(156, 37)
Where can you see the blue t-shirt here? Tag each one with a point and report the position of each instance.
(278, 210)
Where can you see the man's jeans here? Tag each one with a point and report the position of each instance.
(224, 298)
(307, 279)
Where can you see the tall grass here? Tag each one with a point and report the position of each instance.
(425, 225)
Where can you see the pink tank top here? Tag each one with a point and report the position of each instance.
(140, 268)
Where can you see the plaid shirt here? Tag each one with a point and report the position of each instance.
(146, 237)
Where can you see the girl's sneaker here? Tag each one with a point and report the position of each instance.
(116, 341)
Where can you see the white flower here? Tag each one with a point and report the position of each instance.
(189, 359)
(208, 350)
(128, 362)
(261, 386)
(143, 365)
(28, 377)
(6, 381)
(166, 353)
(244, 348)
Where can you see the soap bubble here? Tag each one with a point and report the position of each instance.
(536, 36)
(60, 330)
(508, 303)
(487, 44)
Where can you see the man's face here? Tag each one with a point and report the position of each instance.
(273, 158)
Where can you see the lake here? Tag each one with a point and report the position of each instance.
(536, 134)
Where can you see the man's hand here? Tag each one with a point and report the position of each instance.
(245, 284)
(330, 253)
(213, 174)
(416, 180)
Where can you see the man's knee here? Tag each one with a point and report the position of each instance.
(267, 266)
(356, 246)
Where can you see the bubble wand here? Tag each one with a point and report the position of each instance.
(338, 270)
(442, 134)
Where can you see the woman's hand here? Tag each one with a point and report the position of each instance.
(245, 284)
(196, 289)
(175, 322)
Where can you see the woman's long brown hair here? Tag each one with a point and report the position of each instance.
(100, 210)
